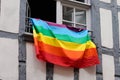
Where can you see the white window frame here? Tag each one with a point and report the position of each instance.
(86, 1)
(73, 4)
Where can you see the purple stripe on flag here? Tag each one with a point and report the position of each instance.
(54, 24)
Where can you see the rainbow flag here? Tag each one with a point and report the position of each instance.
(57, 44)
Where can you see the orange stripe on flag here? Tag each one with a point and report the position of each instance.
(58, 51)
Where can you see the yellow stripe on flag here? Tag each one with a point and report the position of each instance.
(64, 44)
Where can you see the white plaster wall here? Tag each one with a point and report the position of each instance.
(36, 70)
(107, 1)
(118, 2)
(88, 73)
(108, 67)
(63, 73)
(8, 59)
(9, 15)
(119, 27)
(106, 28)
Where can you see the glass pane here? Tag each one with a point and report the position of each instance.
(80, 0)
(80, 16)
(80, 26)
(67, 13)
(69, 24)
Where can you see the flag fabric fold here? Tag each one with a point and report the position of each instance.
(57, 44)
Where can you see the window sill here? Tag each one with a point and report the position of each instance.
(28, 37)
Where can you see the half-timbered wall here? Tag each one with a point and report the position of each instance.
(17, 54)
(105, 22)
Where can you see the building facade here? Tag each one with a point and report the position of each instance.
(17, 54)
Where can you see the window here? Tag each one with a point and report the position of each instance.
(70, 12)
(74, 17)
(44, 9)
(73, 13)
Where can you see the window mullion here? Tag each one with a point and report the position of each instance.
(88, 21)
(87, 1)
(59, 13)
(74, 17)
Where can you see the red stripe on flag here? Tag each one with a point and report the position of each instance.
(66, 62)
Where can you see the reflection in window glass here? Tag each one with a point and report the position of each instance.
(80, 16)
(67, 13)
(80, 26)
(70, 24)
